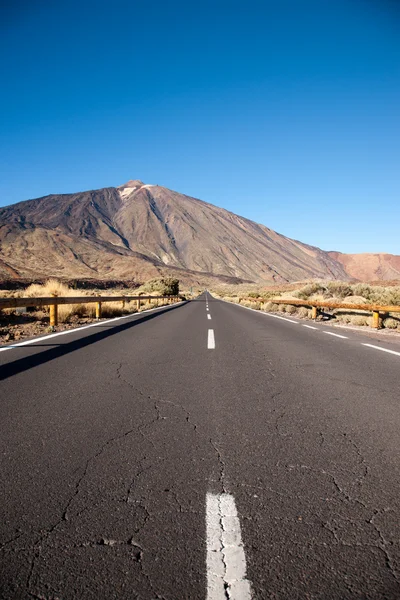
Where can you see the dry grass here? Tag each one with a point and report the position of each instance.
(51, 287)
(67, 311)
(337, 291)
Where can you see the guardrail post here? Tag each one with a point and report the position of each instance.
(54, 313)
(138, 304)
(98, 310)
(123, 302)
(375, 319)
(314, 312)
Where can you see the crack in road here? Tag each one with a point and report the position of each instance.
(385, 544)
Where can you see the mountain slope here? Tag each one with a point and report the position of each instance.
(139, 230)
(370, 267)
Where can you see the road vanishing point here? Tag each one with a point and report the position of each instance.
(200, 451)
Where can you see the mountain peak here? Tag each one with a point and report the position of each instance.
(131, 184)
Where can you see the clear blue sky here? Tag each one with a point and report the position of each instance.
(284, 111)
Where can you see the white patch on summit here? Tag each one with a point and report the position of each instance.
(126, 191)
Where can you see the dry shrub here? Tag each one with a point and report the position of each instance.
(111, 309)
(324, 290)
(317, 298)
(131, 307)
(310, 289)
(271, 307)
(391, 323)
(362, 289)
(339, 289)
(290, 309)
(360, 320)
(303, 312)
(355, 318)
(147, 305)
(356, 300)
(389, 296)
(250, 304)
(343, 318)
(52, 286)
(167, 286)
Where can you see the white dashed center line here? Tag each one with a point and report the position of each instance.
(226, 561)
(336, 335)
(382, 349)
(211, 340)
(209, 317)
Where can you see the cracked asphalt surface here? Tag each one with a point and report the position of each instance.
(111, 438)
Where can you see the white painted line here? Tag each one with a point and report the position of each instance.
(310, 327)
(211, 340)
(226, 561)
(97, 324)
(336, 335)
(382, 349)
(209, 317)
(261, 312)
(207, 309)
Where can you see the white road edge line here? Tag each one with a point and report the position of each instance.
(209, 317)
(310, 327)
(211, 340)
(226, 561)
(336, 335)
(97, 324)
(260, 312)
(382, 349)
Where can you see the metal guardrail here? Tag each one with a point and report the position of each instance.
(54, 301)
(376, 309)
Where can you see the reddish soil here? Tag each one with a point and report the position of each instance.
(30, 325)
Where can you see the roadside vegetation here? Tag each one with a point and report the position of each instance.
(262, 298)
(17, 324)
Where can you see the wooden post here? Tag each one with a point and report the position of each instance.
(123, 302)
(54, 313)
(314, 312)
(138, 304)
(98, 310)
(375, 319)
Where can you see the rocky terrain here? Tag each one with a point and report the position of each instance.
(140, 231)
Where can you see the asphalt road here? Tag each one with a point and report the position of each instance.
(120, 440)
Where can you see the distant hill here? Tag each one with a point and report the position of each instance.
(139, 231)
(369, 267)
